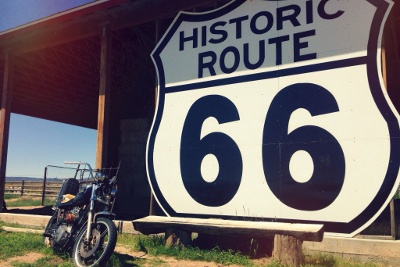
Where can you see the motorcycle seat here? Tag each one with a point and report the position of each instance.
(67, 197)
(68, 200)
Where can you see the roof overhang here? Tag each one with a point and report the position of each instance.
(57, 59)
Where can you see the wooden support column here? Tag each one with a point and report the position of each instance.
(384, 76)
(5, 121)
(104, 98)
(157, 38)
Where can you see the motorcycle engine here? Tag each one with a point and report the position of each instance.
(62, 234)
(63, 231)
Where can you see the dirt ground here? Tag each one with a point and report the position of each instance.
(145, 259)
(171, 262)
(166, 261)
(27, 258)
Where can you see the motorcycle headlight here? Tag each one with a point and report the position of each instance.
(100, 177)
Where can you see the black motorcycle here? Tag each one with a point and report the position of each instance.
(82, 222)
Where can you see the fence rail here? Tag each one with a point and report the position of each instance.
(47, 187)
(32, 188)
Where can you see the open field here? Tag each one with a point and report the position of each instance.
(18, 201)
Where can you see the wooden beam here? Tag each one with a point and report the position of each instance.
(158, 224)
(385, 81)
(104, 95)
(5, 120)
(157, 38)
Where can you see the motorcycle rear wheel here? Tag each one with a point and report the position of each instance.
(101, 246)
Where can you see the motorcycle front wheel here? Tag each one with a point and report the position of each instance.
(47, 240)
(101, 245)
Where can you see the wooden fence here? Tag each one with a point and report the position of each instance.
(50, 185)
(33, 188)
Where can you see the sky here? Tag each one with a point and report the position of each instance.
(35, 143)
(14, 13)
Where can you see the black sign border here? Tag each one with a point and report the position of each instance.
(370, 60)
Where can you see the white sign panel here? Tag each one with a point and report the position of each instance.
(275, 110)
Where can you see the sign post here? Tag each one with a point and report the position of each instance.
(275, 110)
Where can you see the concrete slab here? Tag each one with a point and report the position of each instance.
(371, 250)
(21, 230)
(127, 227)
(41, 221)
(25, 219)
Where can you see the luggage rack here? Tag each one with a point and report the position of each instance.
(82, 171)
(92, 173)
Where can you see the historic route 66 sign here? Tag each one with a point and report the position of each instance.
(275, 110)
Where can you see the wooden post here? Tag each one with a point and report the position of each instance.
(177, 238)
(5, 121)
(392, 220)
(104, 95)
(384, 76)
(44, 185)
(288, 250)
(22, 187)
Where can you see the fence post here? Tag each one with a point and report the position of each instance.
(22, 187)
(44, 185)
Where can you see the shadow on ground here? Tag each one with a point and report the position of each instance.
(42, 210)
(46, 210)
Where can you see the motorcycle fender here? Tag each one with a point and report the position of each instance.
(104, 214)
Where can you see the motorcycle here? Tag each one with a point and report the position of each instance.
(82, 221)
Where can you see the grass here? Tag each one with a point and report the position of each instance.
(326, 260)
(18, 201)
(155, 245)
(15, 244)
(11, 196)
(18, 243)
